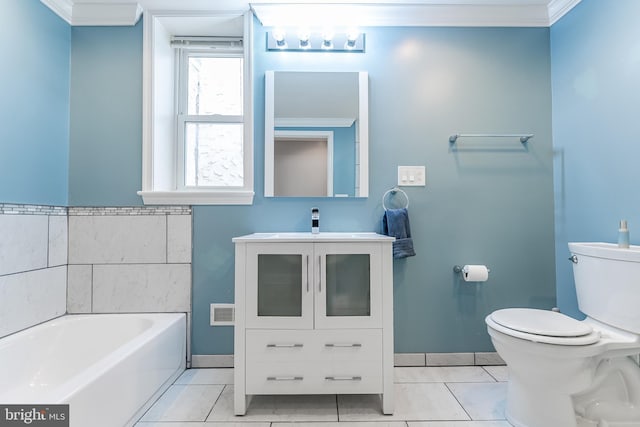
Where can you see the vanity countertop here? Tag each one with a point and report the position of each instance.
(310, 237)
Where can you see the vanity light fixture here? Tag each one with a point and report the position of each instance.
(306, 40)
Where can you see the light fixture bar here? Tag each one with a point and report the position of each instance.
(314, 41)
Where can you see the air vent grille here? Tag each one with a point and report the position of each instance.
(222, 314)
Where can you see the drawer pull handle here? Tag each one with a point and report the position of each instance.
(284, 378)
(343, 345)
(284, 345)
(357, 378)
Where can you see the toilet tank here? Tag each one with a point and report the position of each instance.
(607, 282)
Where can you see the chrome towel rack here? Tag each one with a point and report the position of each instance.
(524, 137)
(394, 190)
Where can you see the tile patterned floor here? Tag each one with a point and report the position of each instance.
(456, 396)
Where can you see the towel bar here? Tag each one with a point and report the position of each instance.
(524, 138)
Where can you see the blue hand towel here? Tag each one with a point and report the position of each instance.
(395, 223)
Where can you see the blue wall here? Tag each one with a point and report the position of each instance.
(34, 104)
(596, 107)
(488, 202)
(105, 166)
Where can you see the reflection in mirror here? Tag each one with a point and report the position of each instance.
(303, 153)
(316, 134)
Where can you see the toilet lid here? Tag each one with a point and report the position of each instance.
(540, 322)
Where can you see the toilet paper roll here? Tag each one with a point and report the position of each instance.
(475, 273)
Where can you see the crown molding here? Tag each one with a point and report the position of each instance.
(418, 13)
(559, 8)
(411, 15)
(96, 13)
(106, 13)
(62, 8)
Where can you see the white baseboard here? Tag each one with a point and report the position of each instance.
(212, 361)
(400, 359)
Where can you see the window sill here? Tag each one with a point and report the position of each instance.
(197, 197)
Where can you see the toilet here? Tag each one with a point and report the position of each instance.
(569, 373)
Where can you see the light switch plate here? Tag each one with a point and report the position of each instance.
(412, 176)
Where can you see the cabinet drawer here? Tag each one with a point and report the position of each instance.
(312, 378)
(268, 345)
(350, 377)
(313, 345)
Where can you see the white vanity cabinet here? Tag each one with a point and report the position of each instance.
(314, 315)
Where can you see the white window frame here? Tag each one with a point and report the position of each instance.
(182, 117)
(160, 145)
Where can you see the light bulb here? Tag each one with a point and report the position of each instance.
(327, 39)
(304, 35)
(352, 38)
(279, 35)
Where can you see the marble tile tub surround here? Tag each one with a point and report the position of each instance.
(33, 265)
(129, 259)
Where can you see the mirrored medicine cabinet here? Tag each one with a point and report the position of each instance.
(316, 134)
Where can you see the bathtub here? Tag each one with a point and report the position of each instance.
(109, 368)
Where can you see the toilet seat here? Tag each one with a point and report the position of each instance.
(542, 326)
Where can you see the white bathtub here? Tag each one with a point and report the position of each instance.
(108, 367)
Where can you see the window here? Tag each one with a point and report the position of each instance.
(198, 138)
(210, 120)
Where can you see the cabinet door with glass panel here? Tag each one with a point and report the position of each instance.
(313, 285)
(279, 292)
(348, 285)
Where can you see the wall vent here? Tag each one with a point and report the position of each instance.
(223, 314)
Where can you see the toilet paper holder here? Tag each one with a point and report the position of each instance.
(459, 269)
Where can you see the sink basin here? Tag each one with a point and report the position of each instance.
(322, 236)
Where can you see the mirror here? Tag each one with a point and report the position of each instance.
(316, 134)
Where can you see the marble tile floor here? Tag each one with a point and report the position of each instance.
(443, 396)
